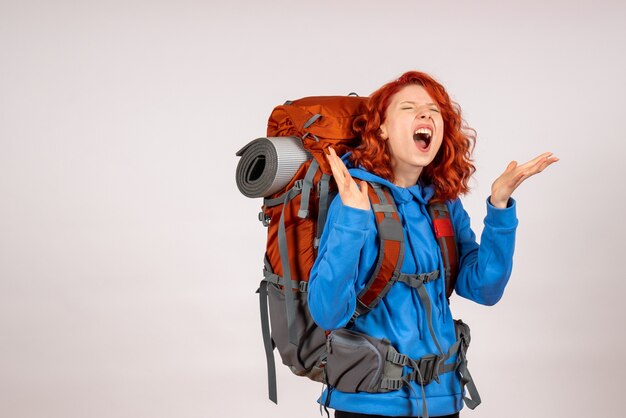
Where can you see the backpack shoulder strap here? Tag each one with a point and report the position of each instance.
(390, 254)
(444, 232)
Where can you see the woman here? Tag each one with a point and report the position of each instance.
(415, 144)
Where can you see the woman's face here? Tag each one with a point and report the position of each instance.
(414, 128)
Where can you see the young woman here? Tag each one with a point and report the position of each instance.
(415, 144)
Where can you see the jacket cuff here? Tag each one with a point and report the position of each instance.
(502, 218)
(353, 218)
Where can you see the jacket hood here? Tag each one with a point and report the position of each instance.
(400, 194)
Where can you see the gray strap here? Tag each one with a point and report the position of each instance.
(311, 120)
(309, 123)
(423, 294)
(323, 191)
(284, 260)
(468, 382)
(387, 208)
(417, 280)
(421, 380)
(307, 185)
(307, 178)
(359, 310)
(270, 277)
(396, 383)
(389, 228)
(267, 343)
(274, 202)
(441, 369)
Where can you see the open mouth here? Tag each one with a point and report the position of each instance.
(422, 138)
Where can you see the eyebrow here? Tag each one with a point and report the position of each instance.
(411, 102)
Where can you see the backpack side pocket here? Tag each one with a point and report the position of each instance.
(356, 362)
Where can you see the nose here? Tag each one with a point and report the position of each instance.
(424, 113)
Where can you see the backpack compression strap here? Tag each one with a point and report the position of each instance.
(390, 254)
(268, 343)
(290, 285)
(444, 232)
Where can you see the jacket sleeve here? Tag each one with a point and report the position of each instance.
(336, 271)
(485, 269)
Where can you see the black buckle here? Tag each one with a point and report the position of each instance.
(428, 369)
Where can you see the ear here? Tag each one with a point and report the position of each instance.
(382, 132)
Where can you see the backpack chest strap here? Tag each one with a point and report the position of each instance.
(417, 280)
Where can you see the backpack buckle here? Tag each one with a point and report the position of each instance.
(303, 286)
(397, 358)
(429, 368)
(265, 220)
(298, 184)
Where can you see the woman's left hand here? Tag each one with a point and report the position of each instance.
(514, 175)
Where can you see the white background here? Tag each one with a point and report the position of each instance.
(129, 260)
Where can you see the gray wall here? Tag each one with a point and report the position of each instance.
(129, 260)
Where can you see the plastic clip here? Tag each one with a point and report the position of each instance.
(265, 220)
(398, 358)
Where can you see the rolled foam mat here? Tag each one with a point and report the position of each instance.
(268, 164)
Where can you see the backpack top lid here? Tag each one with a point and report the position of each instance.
(321, 121)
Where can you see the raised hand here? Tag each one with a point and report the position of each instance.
(514, 175)
(350, 193)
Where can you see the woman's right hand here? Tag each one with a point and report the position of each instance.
(350, 193)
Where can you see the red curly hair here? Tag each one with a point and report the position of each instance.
(452, 167)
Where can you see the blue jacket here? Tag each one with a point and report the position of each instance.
(347, 256)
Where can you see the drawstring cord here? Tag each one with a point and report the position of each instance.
(324, 405)
(415, 367)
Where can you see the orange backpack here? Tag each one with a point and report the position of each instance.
(295, 216)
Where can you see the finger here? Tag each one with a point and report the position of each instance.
(511, 166)
(519, 180)
(364, 188)
(338, 164)
(542, 156)
(531, 167)
(521, 175)
(345, 183)
(342, 167)
(538, 167)
(332, 155)
(542, 164)
(549, 161)
(536, 159)
(334, 166)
